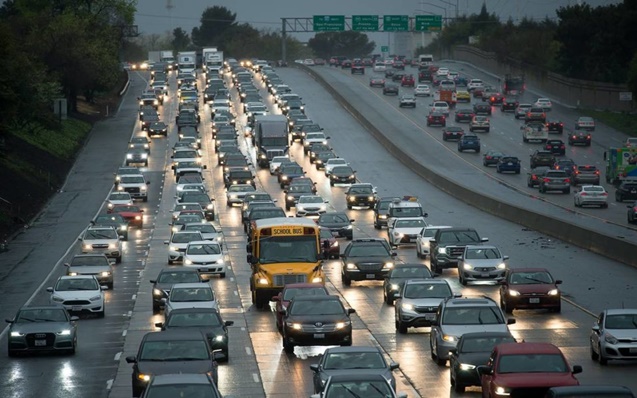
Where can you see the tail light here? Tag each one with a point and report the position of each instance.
(588, 137)
(534, 177)
(635, 209)
(576, 171)
(561, 124)
(443, 118)
(583, 194)
(574, 137)
(597, 172)
(546, 179)
(563, 147)
(605, 194)
(567, 180)
(488, 157)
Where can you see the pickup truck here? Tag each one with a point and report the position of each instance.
(535, 131)
(448, 244)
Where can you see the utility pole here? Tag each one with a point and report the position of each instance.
(283, 39)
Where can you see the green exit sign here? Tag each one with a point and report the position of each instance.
(328, 23)
(396, 23)
(384, 49)
(365, 23)
(428, 23)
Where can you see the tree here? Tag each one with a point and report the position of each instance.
(215, 22)
(348, 43)
(632, 75)
(181, 40)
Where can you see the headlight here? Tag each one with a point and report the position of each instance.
(142, 188)
(554, 292)
(57, 299)
(317, 279)
(120, 188)
(175, 229)
(219, 338)
(341, 325)
(296, 326)
(502, 391)
(95, 298)
(388, 265)
(609, 338)
(138, 217)
(144, 156)
(72, 273)
(467, 266)
(65, 332)
(370, 198)
(173, 248)
(514, 293)
(157, 292)
(129, 156)
(105, 273)
(17, 334)
(502, 266)
(112, 246)
(188, 262)
(210, 206)
(263, 281)
(123, 228)
(407, 307)
(351, 266)
(290, 197)
(88, 247)
(441, 250)
(449, 338)
(352, 199)
(466, 366)
(143, 377)
(394, 286)
(382, 217)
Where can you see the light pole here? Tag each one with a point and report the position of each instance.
(440, 33)
(451, 4)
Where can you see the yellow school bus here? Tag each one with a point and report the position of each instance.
(283, 251)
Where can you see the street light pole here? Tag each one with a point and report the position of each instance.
(451, 4)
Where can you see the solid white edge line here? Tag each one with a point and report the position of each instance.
(255, 377)
(109, 384)
(117, 356)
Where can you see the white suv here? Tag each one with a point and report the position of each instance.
(102, 240)
(440, 106)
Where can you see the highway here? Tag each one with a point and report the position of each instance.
(258, 365)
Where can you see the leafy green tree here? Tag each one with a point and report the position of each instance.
(632, 75)
(215, 22)
(181, 40)
(348, 43)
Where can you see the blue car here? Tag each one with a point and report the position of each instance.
(508, 163)
(469, 141)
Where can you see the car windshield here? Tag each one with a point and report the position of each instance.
(483, 344)
(482, 254)
(411, 272)
(459, 237)
(333, 162)
(367, 250)
(310, 199)
(292, 292)
(181, 390)
(354, 360)
(288, 249)
(300, 188)
(178, 277)
(409, 224)
(185, 237)
(42, 315)
(593, 189)
(65, 285)
(201, 319)
(187, 206)
(185, 219)
(109, 219)
(241, 174)
(119, 196)
(334, 218)
(621, 321)
(131, 179)
(241, 188)
(107, 233)
(412, 211)
(312, 307)
(530, 278)
(177, 350)
(359, 389)
(204, 248)
(292, 170)
(191, 294)
(195, 197)
(185, 154)
(532, 363)
(89, 261)
(360, 191)
(343, 170)
(421, 290)
(205, 228)
(259, 214)
(472, 316)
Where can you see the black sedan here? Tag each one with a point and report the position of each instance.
(360, 195)
(473, 350)
(452, 133)
(390, 89)
(158, 128)
(42, 328)
(316, 320)
(482, 109)
(393, 283)
(464, 115)
(509, 105)
(338, 223)
(491, 157)
(112, 220)
(556, 147)
(342, 175)
(166, 279)
(206, 320)
(172, 351)
(294, 192)
(366, 259)
(352, 360)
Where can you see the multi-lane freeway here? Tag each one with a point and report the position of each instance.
(258, 365)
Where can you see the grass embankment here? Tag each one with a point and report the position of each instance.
(624, 122)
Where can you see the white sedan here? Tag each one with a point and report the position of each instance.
(379, 67)
(424, 237)
(310, 206)
(544, 103)
(276, 162)
(442, 72)
(206, 257)
(190, 295)
(119, 198)
(236, 193)
(331, 163)
(81, 293)
(405, 230)
(593, 195)
(422, 90)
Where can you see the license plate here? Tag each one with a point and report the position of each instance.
(40, 343)
(76, 308)
(430, 317)
(534, 301)
(484, 275)
(319, 335)
(370, 276)
(510, 164)
(633, 191)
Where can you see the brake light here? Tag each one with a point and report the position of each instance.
(561, 124)
(635, 209)
(576, 171)
(583, 194)
(605, 194)
(534, 177)
(563, 147)
(546, 179)
(588, 137)
(488, 157)
(443, 118)
(567, 180)
(597, 172)
(574, 137)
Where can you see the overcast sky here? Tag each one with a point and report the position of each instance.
(153, 16)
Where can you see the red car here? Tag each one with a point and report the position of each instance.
(529, 369)
(408, 81)
(329, 244)
(133, 214)
(530, 288)
(292, 290)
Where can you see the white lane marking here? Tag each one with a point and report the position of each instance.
(236, 293)
(117, 356)
(243, 329)
(255, 377)
(109, 384)
(124, 332)
(130, 314)
(248, 351)
(133, 297)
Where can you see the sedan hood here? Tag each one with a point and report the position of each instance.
(534, 288)
(205, 258)
(334, 224)
(357, 372)
(89, 269)
(536, 380)
(408, 231)
(168, 367)
(486, 262)
(41, 327)
(474, 358)
(378, 259)
(312, 319)
(77, 294)
(624, 334)
(423, 302)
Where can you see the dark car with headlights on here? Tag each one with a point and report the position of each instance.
(322, 158)
(464, 115)
(530, 288)
(508, 164)
(342, 175)
(171, 351)
(114, 220)
(556, 147)
(316, 320)
(366, 259)
(390, 89)
(381, 210)
(42, 328)
(292, 290)
(181, 385)
(158, 128)
(207, 320)
(166, 279)
(473, 350)
(338, 223)
(469, 141)
(396, 278)
(289, 171)
(294, 192)
(362, 194)
(352, 360)
(452, 133)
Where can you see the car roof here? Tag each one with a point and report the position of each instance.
(178, 269)
(527, 348)
(421, 281)
(471, 301)
(284, 221)
(481, 247)
(486, 334)
(42, 307)
(195, 310)
(318, 298)
(302, 285)
(621, 311)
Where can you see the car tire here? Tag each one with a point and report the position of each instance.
(478, 150)
(444, 137)
(377, 226)
(505, 307)
(156, 309)
(222, 275)
(497, 169)
(567, 190)
(347, 281)
(145, 199)
(557, 309)
(575, 203)
(618, 198)
(459, 149)
(331, 183)
(287, 207)
(459, 388)
(349, 207)
(118, 260)
(388, 299)
(287, 346)
(602, 361)
(111, 285)
(402, 329)
(462, 280)
(171, 262)
(594, 355)
(102, 313)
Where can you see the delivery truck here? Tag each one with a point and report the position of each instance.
(270, 137)
(621, 164)
(186, 62)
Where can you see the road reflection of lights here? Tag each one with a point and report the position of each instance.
(309, 352)
(66, 376)
(16, 372)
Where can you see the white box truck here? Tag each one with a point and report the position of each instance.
(187, 62)
(168, 57)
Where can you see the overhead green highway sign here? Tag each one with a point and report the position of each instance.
(428, 23)
(365, 23)
(329, 23)
(396, 23)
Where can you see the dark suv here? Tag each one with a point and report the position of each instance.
(469, 141)
(542, 158)
(381, 210)
(366, 259)
(448, 244)
(627, 190)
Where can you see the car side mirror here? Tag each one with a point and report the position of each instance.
(167, 241)
(351, 311)
(577, 369)
(402, 395)
(159, 324)
(595, 328)
(147, 182)
(153, 281)
(49, 289)
(103, 287)
(217, 355)
(453, 351)
(314, 367)
(394, 365)
(510, 321)
(228, 323)
(67, 264)
(484, 240)
(484, 370)
(558, 282)
(131, 359)
(505, 257)
(457, 295)
(74, 318)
